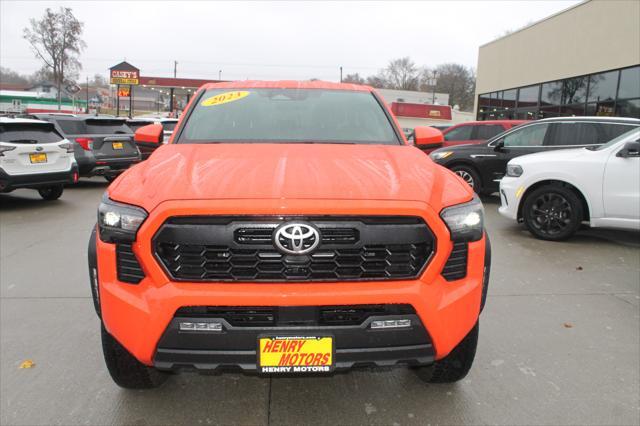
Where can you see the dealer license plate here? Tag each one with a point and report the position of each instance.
(117, 145)
(295, 354)
(38, 158)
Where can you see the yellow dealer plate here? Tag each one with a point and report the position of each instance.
(295, 354)
(38, 158)
(117, 145)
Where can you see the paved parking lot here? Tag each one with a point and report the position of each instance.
(559, 340)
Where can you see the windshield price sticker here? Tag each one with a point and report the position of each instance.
(296, 354)
(224, 98)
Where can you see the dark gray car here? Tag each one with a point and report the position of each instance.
(104, 146)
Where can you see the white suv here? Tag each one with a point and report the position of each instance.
(34, 155)
(554, 192)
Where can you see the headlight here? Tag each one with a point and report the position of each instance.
(513, 170)
(465, 221)
(440, 155)
(119, 222)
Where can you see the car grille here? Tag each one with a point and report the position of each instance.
(273, 316)
(241, 249)
(129, 269)
(456, 266)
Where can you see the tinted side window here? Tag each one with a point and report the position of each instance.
(459, 134)
(564, 134)
(612, 131)
(96, 127)
(488, 131)
(72, 127)
(527, 136)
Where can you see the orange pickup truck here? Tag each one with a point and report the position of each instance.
(288, 228)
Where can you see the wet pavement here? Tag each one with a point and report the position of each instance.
(559, 340)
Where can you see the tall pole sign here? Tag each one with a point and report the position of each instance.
(128, 76)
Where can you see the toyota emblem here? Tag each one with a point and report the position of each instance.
(296, 238)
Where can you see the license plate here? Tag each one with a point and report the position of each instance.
(295, 354)
(38, 158)
(117, 145)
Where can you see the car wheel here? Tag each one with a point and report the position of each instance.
(456, 365)
(552, 213)
(469, 175)
(125, 369)
(51, 193)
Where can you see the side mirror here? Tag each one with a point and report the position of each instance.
(151, 133)
(499, 145)
(427, 137)
(630, 150)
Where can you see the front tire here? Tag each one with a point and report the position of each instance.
(456, 365)
(552, 213)
(125, 369)
(469, 175)
(51, 193)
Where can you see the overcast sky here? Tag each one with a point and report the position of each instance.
(272, 40)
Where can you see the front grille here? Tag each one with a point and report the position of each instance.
(456, 266)
(274, 316)
(129, 270)
(241, 249)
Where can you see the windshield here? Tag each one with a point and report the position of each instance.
(29, 133)
(288, 116)
(615, 141)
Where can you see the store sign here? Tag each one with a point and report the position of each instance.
(125, 76)
(124, 91)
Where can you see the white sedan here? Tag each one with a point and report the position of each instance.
(554, 192)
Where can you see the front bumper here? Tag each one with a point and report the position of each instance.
(511, 190)
(139, 315)
(37, 180)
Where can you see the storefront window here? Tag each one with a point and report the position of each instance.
(574, 90)
(628, 108)
(602, 109)
(629, 83)
(484, 100)
(551, 93)
(528, 96)
(571, 110)
(509, 98)
(602, 87)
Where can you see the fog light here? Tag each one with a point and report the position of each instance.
(400, 323)
(200, 326)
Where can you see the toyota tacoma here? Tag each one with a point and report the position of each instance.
(288, 228)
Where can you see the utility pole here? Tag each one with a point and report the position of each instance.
(175, 68)
(434, 81)
(171, 96)
(340, 74)
(87, 106)
(219, 74)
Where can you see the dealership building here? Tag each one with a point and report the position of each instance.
(584, 60)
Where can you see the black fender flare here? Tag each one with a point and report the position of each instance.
(487, 270)
(92, 257)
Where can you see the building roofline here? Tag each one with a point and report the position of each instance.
(526, 27)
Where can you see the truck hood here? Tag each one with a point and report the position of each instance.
(288, 171)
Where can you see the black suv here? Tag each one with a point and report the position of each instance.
(483, 165)
(103, 146)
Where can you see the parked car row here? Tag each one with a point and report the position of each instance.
(598, 181)
(47, 151)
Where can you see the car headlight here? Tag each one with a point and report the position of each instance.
(465, 221)
(440, 155)
(513, 170)
(119, 222)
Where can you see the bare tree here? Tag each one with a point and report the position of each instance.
(402, 74)
(9, 76)
(354, 79)
(456, 80)
(378, 81)
(55, 39)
